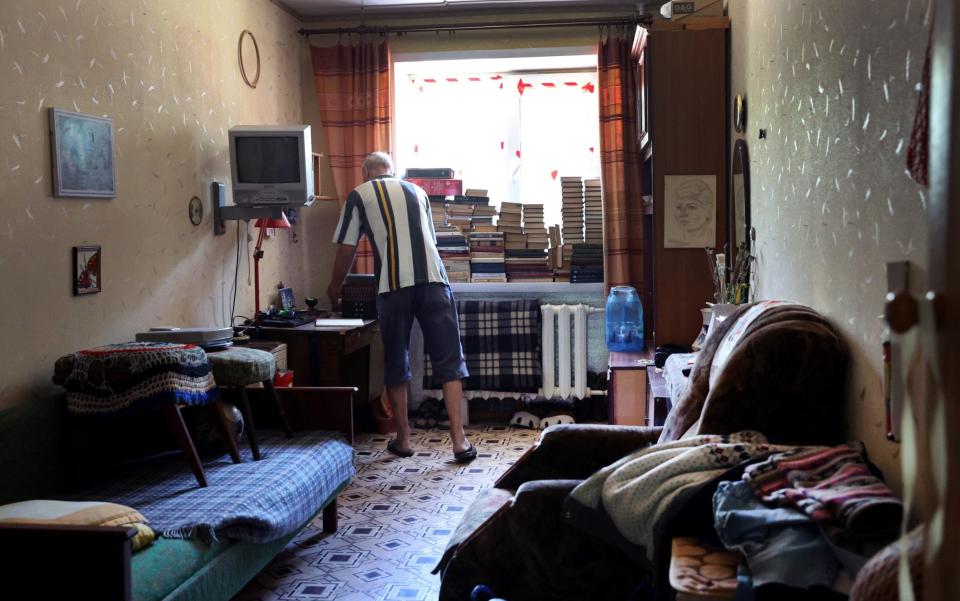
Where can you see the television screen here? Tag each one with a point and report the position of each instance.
(268, 160)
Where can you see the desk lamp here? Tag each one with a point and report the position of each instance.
(262, 225)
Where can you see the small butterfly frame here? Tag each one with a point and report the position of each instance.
(87, 270)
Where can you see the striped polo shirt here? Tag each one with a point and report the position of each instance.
(395, 216)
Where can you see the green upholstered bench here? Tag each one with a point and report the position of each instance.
(97, 562)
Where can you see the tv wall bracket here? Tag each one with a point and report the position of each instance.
(223, 213)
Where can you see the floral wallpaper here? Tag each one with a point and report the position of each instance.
(834, 84)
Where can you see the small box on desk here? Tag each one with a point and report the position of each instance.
(681, 9)
(439, 187)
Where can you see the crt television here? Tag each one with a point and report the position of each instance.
(271, 165)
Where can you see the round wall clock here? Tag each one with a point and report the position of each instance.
(739, 113)
(196, 210)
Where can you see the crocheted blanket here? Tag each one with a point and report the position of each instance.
(130, 375)
(501, 345)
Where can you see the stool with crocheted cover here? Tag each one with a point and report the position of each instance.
(238, 368)
(136, 376)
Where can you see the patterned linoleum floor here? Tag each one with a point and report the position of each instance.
(395, 520)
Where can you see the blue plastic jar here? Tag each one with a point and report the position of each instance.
(624, 320)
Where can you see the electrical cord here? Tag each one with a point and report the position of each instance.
(236, 277)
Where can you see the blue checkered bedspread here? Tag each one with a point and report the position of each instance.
(255, 501)
(501, 345)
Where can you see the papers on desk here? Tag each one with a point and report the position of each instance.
(339, 323)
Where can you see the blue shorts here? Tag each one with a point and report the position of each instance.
(436, 312)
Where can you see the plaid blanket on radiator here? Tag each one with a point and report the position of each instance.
(501, 345)
(255, 501)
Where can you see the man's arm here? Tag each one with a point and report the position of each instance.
(341, 265)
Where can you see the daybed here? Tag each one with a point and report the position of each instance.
(210, 560)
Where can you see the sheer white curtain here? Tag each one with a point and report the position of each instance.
(516, 146)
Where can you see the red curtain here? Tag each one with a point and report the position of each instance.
(620, 163)
(354, 95)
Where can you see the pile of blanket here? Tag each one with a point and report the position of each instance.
(800, 515)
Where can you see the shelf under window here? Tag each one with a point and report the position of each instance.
(525, 287)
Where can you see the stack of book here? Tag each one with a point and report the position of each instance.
(483, 215)
(438, 211)
(459, 213)
(586, 263)
(559, 261)
(510, 224)
(592, 211)
(511, 218)
(528, 265)
(534, 227)
(487, 257)
(454, 252)
(571, 212)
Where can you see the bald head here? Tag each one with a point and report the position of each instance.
(377, 163)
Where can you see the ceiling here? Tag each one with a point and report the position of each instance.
(319, 8)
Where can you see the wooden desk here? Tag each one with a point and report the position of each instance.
(330, 357)
(628, 385)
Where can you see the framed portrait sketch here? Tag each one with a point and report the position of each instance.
(689, 211)
(86, 270)
(82, 155)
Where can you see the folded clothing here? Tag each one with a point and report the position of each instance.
(78, 513)
(833, 485)
(641, 491)
(781, 544)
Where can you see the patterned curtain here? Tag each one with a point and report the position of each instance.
(354, 94)
(620, 163)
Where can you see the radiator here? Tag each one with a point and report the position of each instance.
(565, 364)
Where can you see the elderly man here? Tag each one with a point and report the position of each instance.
(411, 282)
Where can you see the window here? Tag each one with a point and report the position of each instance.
(511, 126)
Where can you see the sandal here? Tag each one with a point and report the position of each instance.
(393, 448)
(525, 419)
(554, 420)
(467, 455)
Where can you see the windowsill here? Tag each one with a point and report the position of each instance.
(548, 287)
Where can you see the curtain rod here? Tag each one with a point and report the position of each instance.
(451, 27)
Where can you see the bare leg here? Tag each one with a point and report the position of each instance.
(398, 402)
(452, 397)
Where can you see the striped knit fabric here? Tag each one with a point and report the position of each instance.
(833, 485)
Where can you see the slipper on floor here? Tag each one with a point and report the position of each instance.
(525, 419)
(393, 448)
(467, 455)
(553, 420)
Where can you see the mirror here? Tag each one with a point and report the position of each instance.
(739, 218)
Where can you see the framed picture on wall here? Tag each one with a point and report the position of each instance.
(690, 211)
(87, 274)
(82, 155)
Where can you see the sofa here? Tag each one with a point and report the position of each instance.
(198, 563)
(775, 368)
